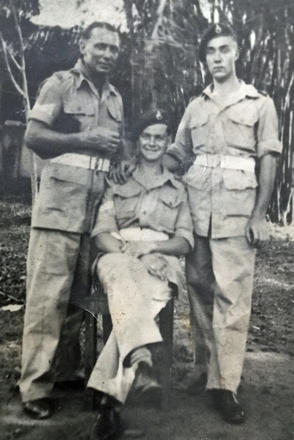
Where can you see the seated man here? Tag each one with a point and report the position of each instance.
(142, 227)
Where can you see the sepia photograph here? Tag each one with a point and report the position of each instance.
(146, 219)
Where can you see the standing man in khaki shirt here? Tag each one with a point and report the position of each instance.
(232, 130)
(77, 124)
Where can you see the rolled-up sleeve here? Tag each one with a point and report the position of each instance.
(49, 102)
(184, 225)
(182, 148)
(268, 130)
(105, 221)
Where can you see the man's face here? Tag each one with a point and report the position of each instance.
(101, 50)
(221, 55)
(153, 142)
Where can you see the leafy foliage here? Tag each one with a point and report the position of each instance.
(165, 68)
(25, 10)
(159, 63)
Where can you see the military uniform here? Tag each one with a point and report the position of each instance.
(227, 140)
(63, 216)
(145, 211)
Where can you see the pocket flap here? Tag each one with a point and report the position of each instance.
(170, 197)
(78, 108)
(126, 191)
(239, 180)
(199, 120)
(114, 110)
(242, 118)
(66, 173)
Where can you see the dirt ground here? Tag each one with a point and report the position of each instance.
(268, 380)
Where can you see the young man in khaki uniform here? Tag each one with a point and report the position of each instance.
(77, 124)
(143, 225)
(232, 129)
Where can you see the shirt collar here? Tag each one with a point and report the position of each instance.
(246, 90)
(78, 69)
(157, 181)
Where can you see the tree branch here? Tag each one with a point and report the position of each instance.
(14, 59)
(15, 83)
(23, 61)
(159, 14)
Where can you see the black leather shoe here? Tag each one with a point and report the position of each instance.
(39, 408)
(227, 404)
(70, 385)
(146, 387)
(106, 426)
(197, 386)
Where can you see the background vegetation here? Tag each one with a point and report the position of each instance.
(159, 62)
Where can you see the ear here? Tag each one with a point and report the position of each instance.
(237, 52)
(82, 46)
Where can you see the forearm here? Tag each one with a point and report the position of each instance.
(176, 246)
(106, 243)
(48, 143)
(266, 180)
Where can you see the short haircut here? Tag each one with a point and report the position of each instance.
(86, 33)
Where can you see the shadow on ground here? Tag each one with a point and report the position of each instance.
(266, 392)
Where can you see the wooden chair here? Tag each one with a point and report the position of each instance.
(99, 303)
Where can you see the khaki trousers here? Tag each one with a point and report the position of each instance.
(220, 283)
(52, 261)
(134, 298)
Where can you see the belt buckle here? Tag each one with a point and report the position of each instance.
(100, 164)
(223, 161)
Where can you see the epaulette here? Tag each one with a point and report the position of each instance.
(62, 75)
(176, 181)
(263, 92)
(204, 96)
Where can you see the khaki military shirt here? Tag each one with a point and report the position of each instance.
(246, 126)
(68, 102)
(160, 204)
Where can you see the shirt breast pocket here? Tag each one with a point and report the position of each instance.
(199, 130)
(167, 210)
(125, 202)
(79, 113)
(114, 115)
(240, 128)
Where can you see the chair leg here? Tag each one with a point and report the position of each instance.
(90, 351)
(107, 326)
(166, 319)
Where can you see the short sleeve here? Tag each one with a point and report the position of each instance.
(49, 102)
(182, 147)
(268, 130)
(184, 225)
(105, 221)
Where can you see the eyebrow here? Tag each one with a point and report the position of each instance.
(219, 47)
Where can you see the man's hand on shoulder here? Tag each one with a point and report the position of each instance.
(102, 140)
(120, 172)
(256, 230)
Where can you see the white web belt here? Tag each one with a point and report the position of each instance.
(228, 162)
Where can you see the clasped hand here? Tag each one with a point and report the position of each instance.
(102, 140)
(155, 263)
(138, 248)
